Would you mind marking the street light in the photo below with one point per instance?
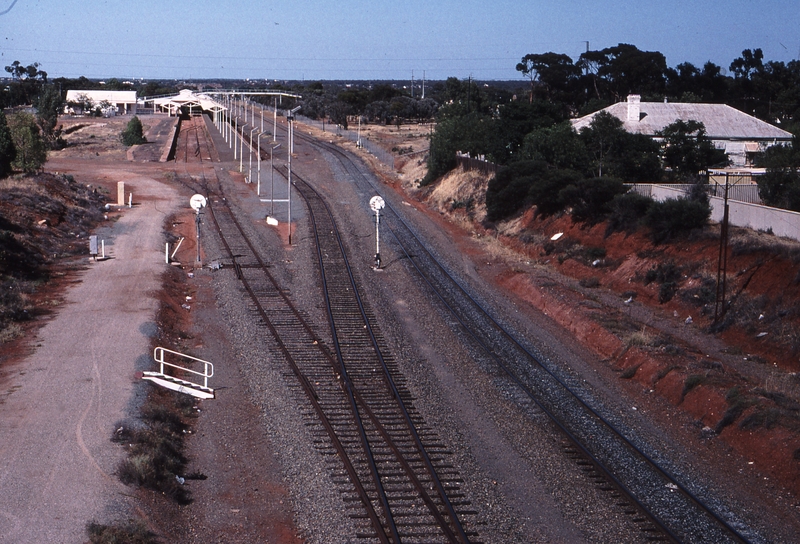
(275, 121)
(241, 148)
(250, 145)
(258, 147)
(272, 169)
(290, 119)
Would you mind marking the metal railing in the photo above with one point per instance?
(208, 368)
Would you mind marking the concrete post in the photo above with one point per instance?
(120, 193)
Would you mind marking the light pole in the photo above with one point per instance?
(272, 183)
(275, 121)
(258, 147)
(241, 148)
(235, 132)
(250, 146)
(290, 119)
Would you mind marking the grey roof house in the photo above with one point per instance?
(742, 136)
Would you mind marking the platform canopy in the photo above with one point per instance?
(186, 99)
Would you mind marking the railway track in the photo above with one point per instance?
(664, 507)
(391, 469)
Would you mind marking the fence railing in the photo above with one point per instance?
(208, 368)
(484, 167)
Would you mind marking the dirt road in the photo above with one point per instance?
(59, 406)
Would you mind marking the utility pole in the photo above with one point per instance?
(722, 261)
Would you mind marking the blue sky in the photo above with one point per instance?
(355, 39)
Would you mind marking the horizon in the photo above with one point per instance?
(360, 41)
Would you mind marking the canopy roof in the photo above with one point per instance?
(187, 98)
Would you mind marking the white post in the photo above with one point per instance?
(103, 248)
(235, 131)
(130, 200)
(166, 254)
(291, 141)
(241, 146)
(250, 170)
(275, 121)
(258, 147)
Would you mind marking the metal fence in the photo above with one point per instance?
(484, 167)
(741, 193)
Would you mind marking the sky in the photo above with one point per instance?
(371, 40)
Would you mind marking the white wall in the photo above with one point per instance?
(744, 214)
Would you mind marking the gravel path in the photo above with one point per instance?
(56, 457)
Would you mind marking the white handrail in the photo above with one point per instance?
(158, 355)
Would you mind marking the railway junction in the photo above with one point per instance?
(400, 399)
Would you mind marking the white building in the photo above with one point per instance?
(118, 102)
(742, 136)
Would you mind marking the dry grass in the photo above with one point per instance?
(9, 332)
(461, 189)
(22, 183)
(640, 338)
(783, 383)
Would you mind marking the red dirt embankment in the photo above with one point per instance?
(648, 312)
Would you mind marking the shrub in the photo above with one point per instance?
(508, 189)
(547, 190)
(155, 457)
(133, 133)
(691, 382)
(663, 273)
(132, 532)
(590, 199)
(627, 212)
(675, 216)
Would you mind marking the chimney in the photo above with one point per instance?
(634, 109)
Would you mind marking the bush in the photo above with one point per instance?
(675, 216)
(155, 457)
(590, 199)
(133, 133)
(133, 532)
(509, 188)
(627, 212)
(548, 191)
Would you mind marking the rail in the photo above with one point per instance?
(208, 368)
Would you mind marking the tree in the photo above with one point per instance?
(7, 150)
(624, 69)
(559, 146)
(31, 149)
(553, 72)
(780, 185)
(601, 138)
(133, 133)
(686, 150)
(48, 105)
(31, 71)
(467, 133)
(591, 199)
